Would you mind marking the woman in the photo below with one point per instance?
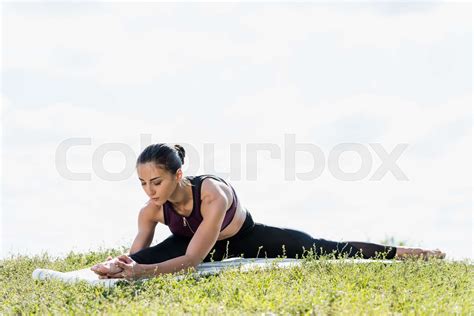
(207, 222)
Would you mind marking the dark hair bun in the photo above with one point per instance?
(181, 152)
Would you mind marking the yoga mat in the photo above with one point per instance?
(203, 269)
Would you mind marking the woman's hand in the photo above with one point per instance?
(107, 267)
(130, 270)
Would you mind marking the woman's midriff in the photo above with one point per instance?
(236, 223)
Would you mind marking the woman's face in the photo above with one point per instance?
(158, 183)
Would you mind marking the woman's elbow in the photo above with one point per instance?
(193, 260)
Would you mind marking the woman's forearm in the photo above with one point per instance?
(140, 243)
(169, 266)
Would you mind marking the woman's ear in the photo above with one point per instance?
(179, 174)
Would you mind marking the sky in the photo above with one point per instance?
(86, 86)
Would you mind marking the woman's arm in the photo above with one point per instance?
(215, 201)
(200, 245)
(146, 231)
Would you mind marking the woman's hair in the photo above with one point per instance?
(164, 156)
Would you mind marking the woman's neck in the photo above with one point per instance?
(181, 196)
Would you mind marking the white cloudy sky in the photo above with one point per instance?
(236, 75)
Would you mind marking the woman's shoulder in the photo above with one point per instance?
(152, 212)
(212, 188)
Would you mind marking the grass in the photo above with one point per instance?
(412, 287)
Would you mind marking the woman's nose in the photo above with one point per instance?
(150, 191)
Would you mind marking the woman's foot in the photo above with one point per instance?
(406, 253)
(108, 267)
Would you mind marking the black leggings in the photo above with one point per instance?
(256, 240)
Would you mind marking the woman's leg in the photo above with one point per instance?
(272, 239)
(257, 240)
(369, 250)
(172, 247)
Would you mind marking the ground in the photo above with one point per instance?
(317, 287)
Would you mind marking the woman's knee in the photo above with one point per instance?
(172, 247)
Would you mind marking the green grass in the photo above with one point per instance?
(413, 287)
